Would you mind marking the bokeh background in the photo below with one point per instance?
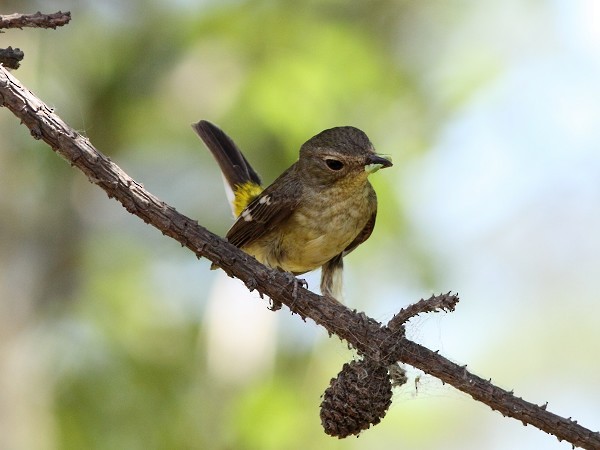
(114, 337)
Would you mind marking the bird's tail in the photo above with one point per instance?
(241, 181)
(331, 277)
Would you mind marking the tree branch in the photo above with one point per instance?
(37, 20)
(380, 345)
(436, 303)
(11, 57)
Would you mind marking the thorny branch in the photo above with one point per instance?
(10, 57)
(435, 303)
(384, 344)
(37, 20)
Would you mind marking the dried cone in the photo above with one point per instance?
(358, 398)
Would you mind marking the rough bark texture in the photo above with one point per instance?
(11, 57)
(37, 20)
(381, 345)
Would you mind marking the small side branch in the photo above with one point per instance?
(11, 57)
(37, 20)
(435, 303)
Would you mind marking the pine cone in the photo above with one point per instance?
(358, 398)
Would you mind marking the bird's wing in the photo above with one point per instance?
(266, 211)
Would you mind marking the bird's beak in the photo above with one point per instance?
(375, 162)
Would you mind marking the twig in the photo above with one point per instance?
(371, 339)
(442, 302)
(11, 57)
(37, 20)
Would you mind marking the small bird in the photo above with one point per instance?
(315, 213)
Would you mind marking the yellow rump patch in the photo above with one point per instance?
(243, 195)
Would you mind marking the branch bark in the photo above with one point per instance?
(11, 57)
(37, 20)
(384, 344)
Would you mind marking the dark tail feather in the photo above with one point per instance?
(232, 162)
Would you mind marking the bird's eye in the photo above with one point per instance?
(334, 164)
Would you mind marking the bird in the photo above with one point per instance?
(316, 212)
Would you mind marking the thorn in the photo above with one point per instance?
(251, 284)
(36, 132)
(275, 305)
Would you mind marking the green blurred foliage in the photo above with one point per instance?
(118, 309)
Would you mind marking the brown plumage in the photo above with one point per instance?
(316, 212)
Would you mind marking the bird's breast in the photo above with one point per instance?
(319, 229)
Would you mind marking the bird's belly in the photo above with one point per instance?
(313, 236)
